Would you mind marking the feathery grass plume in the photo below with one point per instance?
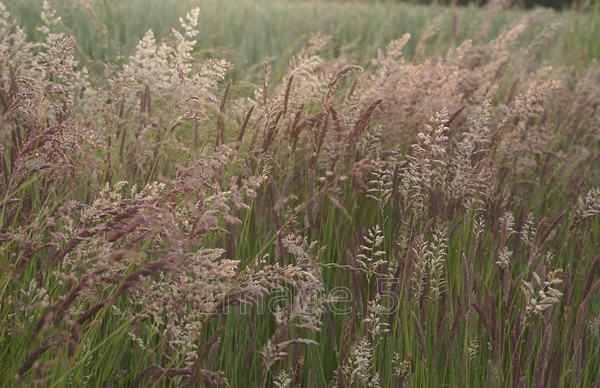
(283, 380)
(381, 184)
(587, 206)
(50, 21)
(471, 180)
(540, 295)
(359, 367)
(370, 259)
(335, 79)
(406, 92)
(401, 369)
(375, 327)
(275, 349)
(433, 254)
(424, 171)
(526, 135)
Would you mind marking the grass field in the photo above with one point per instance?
(409, 198)
(246, 31)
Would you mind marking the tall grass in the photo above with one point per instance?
(247, 31)
(427, 219)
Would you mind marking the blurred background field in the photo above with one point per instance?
(246, 31)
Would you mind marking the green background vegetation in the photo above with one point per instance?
(246, 31)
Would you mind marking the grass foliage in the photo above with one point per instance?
(427, 219)
(246, 31)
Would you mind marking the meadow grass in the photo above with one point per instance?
(247, 31)
(429, 219)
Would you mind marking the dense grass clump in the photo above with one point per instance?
(427, 220)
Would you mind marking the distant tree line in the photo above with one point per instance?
(556, 4)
